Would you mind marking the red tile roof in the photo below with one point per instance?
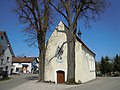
(1, 33)
(22, 59)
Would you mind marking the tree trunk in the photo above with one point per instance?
(41, 66)
(71, 59)
(41, 45)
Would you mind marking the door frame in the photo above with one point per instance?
(65, 74)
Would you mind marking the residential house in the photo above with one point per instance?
(25, 64)
(56, 65)
(6, 53)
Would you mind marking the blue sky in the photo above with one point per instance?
(102, 37)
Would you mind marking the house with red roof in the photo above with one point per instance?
(25, 64)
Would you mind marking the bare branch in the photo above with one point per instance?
(66, 5)
(57, 9)
(81, 7)
(58, 51)
(35, 15)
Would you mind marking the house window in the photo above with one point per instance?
(17, 69)
(1, 69)
(8, 59)
(59, 54)
(6, 68)
(3, 51)
(2, 61)
(1, 37)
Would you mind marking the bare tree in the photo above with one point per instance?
(74, 11)
(35, 14)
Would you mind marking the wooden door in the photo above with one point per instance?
(60, 77)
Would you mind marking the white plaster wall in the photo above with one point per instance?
(6, 54)
(16, 65)
(85, 64)
(78, 59)
(20, 65)
(56, 39)
(8, 62)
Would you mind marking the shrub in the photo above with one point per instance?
(5, 74)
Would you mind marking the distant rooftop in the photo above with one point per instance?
(22, 59)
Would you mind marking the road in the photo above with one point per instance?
(15, 81)
(103, 83)
(27, 82)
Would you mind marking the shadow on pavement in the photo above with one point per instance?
(32, 78)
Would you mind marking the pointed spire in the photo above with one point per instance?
(79, 33)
